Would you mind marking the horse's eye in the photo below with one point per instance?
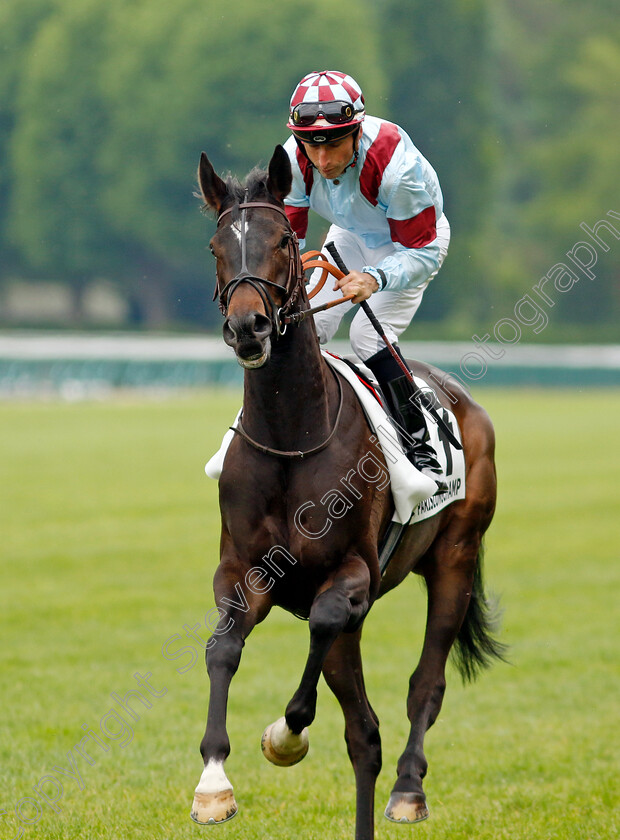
(285, 240)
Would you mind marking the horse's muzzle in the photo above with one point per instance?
(250, 337)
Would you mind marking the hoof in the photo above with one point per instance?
(406, 808)
(213, 808)
(281, 746)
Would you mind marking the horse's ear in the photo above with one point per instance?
(213, 189)
(280, 178)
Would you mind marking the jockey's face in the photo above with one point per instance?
(331, 159)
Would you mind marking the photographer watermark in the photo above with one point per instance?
(529, 311)
(113, 730)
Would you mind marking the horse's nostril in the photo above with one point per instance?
(262, 326)
(230, 336)
(251, 327)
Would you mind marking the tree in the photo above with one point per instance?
(557, 80)
(19, 23)
(191, 76)
(117, 101)
(439, 70)
(56, 216)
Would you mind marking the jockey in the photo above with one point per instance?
(383, 200)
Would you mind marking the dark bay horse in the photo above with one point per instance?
(303, 432)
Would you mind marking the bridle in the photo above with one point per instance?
(279, 316)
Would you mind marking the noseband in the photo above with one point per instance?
(294, 281)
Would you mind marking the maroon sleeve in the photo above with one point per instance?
(298, 217)
(416, 232)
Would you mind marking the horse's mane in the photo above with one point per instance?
(255, 183)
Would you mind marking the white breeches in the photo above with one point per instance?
(394, 310)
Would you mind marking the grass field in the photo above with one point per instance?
(109, 541)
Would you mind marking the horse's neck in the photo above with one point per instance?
(287, 404)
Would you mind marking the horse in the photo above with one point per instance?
(302, 428)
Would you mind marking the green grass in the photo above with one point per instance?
(110, 535)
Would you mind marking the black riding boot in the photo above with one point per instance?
(400, 395)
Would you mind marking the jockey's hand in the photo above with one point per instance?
(357, 283)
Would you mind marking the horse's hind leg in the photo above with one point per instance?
(343, 673)
(449, 578)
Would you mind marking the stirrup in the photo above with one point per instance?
(414, 434)
(442, 487)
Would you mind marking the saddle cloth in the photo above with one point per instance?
(411, 491)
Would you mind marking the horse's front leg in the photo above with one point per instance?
(339, 605)
(240, 610)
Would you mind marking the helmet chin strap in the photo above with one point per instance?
(356, 154)
(302, 147)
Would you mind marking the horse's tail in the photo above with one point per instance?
(475, 647)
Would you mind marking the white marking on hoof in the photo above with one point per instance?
(406, 808)
(214, 801)
(281, 746)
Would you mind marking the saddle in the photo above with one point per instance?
(405, 487)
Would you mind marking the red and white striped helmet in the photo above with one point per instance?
(326, 106)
